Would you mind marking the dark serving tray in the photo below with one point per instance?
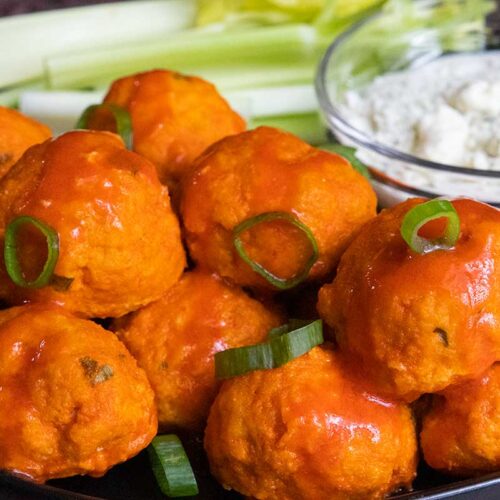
(133, 480)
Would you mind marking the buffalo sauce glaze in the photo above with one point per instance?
(268, 170)
(109, 210)
(419, 322)
(309, 431)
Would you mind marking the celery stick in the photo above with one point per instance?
(190, 50)
(274, 101)
(308, 126)
(236, 76)
(339, 14)
(255, 75)
(10, 96)
(58, 110)
(28, 39)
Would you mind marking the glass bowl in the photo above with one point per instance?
(406, 35)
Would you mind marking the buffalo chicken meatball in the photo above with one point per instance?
(418, 323)
(72, 399)
(17, 134)
(461, 434)
(119, 241)
(174, 118)
(175, 339)
(308, 431)
(266, 171)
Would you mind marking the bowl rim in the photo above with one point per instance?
(336, 121)
(383, 179)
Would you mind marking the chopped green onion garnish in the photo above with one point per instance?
(122, 119)
(12, 263)
(296, 342)
(241, 360)
(283, 345)
(350, 155)
(281, 283)
(293, 324)
(420, 215)
(171, 467)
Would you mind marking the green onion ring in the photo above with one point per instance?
(350, 155)
(420, 215)
(12, 264)
(281, 283)
(122, 119)
(284, 344)
(171, 467)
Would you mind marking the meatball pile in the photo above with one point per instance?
(205, 237)
(78, 401)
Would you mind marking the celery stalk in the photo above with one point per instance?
(240, 76)
(274, 101)
(308, 126)
(28, 39)
(59, 110)
(10, 96)
(191, 51)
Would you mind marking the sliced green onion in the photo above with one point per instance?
(293, 324)
(283, 345)
(350, 155)
(296, 342)
(171, 467)
(122, 119)
(12, 263)
(240, 360)
(281, 283)
(420, 215)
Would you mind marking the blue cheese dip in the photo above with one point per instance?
(447, 111)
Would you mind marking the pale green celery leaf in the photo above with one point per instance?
(264, 12)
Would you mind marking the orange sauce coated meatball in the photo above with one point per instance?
(119, 239)
(461, 434)
(17, 134)
(307, 431)
(72, 399)
(174, 117)
(419, 323)
(175, 339)
(268, 170)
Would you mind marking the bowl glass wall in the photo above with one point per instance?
(407, 36)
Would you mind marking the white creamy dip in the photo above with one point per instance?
(447, 111)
